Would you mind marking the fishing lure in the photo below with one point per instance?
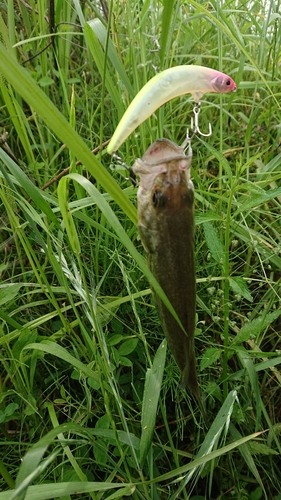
(171, 83)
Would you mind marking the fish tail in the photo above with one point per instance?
(189, 380)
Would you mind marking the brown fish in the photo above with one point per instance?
(166, 226)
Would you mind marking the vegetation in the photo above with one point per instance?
(80, 337)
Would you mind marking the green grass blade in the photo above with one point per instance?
(98, 54)
(167, 18)
(247, 363)
(20, 492)
(220, 424)
(57, 92)
(60, 490)
(231, 34)
(32, 191)
(99, 30)
(67, 216)
(245, 452)
(16, 113)
(30, 91)
(59, 352)
(125, 492)
(6, 476)
(152, 387)
(203, 460)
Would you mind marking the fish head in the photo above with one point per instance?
(223, 83)
(165, 184)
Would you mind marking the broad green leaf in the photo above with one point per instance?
(254, 327)
(210, 356)
(152, 387)
(10, 409)
(8, 292)
(213, 242)
(46, 81)
(239, 285)
(115, 339)
(31, 405)
(125, 361)
(94, 383)
(127, 347)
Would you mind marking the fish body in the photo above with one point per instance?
(166, 226)
(171, 83)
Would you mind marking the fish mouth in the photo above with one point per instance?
(166, 160)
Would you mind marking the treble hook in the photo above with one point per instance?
(194, 126)
(195, 129)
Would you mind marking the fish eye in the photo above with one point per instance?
(228, 82)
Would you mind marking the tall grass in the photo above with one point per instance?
(89, 400)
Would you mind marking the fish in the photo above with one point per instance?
(165, 200)
(166, 85)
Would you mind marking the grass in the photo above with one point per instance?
(89, 401)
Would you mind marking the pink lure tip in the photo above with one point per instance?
(222, 83)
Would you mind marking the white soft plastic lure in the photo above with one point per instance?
(173, 82)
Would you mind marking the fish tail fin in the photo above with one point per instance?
(189, 380)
